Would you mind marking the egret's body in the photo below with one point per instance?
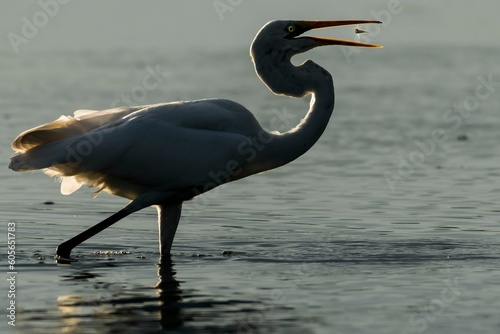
(168, 153)
(157, 148)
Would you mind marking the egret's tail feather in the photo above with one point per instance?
(39, 157)
(43, 134)
(48, 146)
(68, 126)
(43, 146)
(53, 159)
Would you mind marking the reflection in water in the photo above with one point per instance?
(169, 295)
(110, 302)
(123, 296)
(120, 307)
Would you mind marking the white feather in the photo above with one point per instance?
(69, 185)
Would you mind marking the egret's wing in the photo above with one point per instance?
(160, 156)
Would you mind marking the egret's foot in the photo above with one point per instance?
(63, 254)
(63, 260)
(165, 259)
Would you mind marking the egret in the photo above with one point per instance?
(164, 154)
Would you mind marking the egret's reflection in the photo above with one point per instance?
(111, 299)
(116, 305)
(169, 294)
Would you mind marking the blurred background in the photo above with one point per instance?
(177, 26)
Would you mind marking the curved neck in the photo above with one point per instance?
(286, 147)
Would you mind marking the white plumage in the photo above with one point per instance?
(127, 151)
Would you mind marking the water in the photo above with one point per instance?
(369, 232)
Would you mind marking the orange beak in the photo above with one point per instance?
(309, 25)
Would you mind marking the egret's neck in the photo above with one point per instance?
(286, 147)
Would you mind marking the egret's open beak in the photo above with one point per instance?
(309, 25)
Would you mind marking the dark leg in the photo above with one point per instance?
(64, 249)
(172, 201)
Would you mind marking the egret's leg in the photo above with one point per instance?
(64, 249)
(168, 220)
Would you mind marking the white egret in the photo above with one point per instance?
(168, 153)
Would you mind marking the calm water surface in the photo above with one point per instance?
(388, 225)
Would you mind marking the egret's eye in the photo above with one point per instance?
(290, 28)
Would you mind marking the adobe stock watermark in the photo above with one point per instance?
(80, 149)
(32, 25)
(393, 8)
(11, 274)
(453, 118)
(420, 320)
(152, 80)
(225, 6)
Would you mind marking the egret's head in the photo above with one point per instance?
(284, 37)
(278, 41)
